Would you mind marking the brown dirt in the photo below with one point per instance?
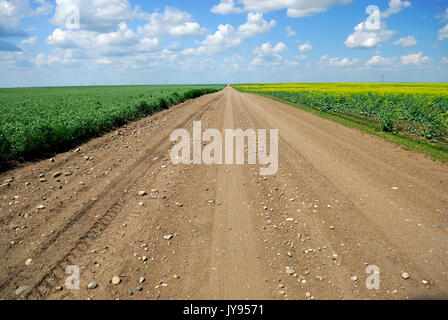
(337, 184)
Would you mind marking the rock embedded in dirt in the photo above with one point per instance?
(289, 270)
(92, 285)
(115, 280)
(40, 207)
(20, 290)
(142, 193)
(57, 174)
(405, 275)
(28, 262)
(168, 237)
(141, 280)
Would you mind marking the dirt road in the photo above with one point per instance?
(341, 201)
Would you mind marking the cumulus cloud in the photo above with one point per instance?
(70, 39)
(396, 6)
(306, 47)
(58, 57)
(227, 36)
(121, 42)
(444, 60)
(94, 15)
(414, 58)
(380, 61)
(226, 7)
(368, 36)
(172, 22)
(294, 8)
(406, 42)
(337, 62)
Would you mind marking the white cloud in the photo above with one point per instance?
(396, 6)
(70, 39)
(267, 49)
(306, 47)
(295, 8)
(95, 15)
(255, 25)
(58, 58)
(149, 45)
(367, 36)
(414, 58)
(172, 22)
(270, 56)
(123, 36)
(227, 36)
(444, 60)
(380, 61)
(226, 7)
(443, 33)
(11, 14)
(121, 42)
(406, 42)
(290, 31)
(337, 62)
(28, 42)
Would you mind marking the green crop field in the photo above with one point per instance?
(420, 110)
(36, 121)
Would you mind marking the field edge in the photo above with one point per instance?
(436, 152)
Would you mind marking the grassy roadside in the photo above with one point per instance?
(39, 122)
(434, 150)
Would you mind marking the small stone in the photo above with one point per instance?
(57, 174)
(289, 270)
(67, 174)
(92, 285)
(21, 290)
(142, 193)
(176, 276)
(168, 237)
(40, 207)
(115, 280)
(130, 292)
(28, 262)
(425, 281)
(405, 275)
(144, 258)
(141, 280)
(354, 278)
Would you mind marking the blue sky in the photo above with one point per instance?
(221, 41)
